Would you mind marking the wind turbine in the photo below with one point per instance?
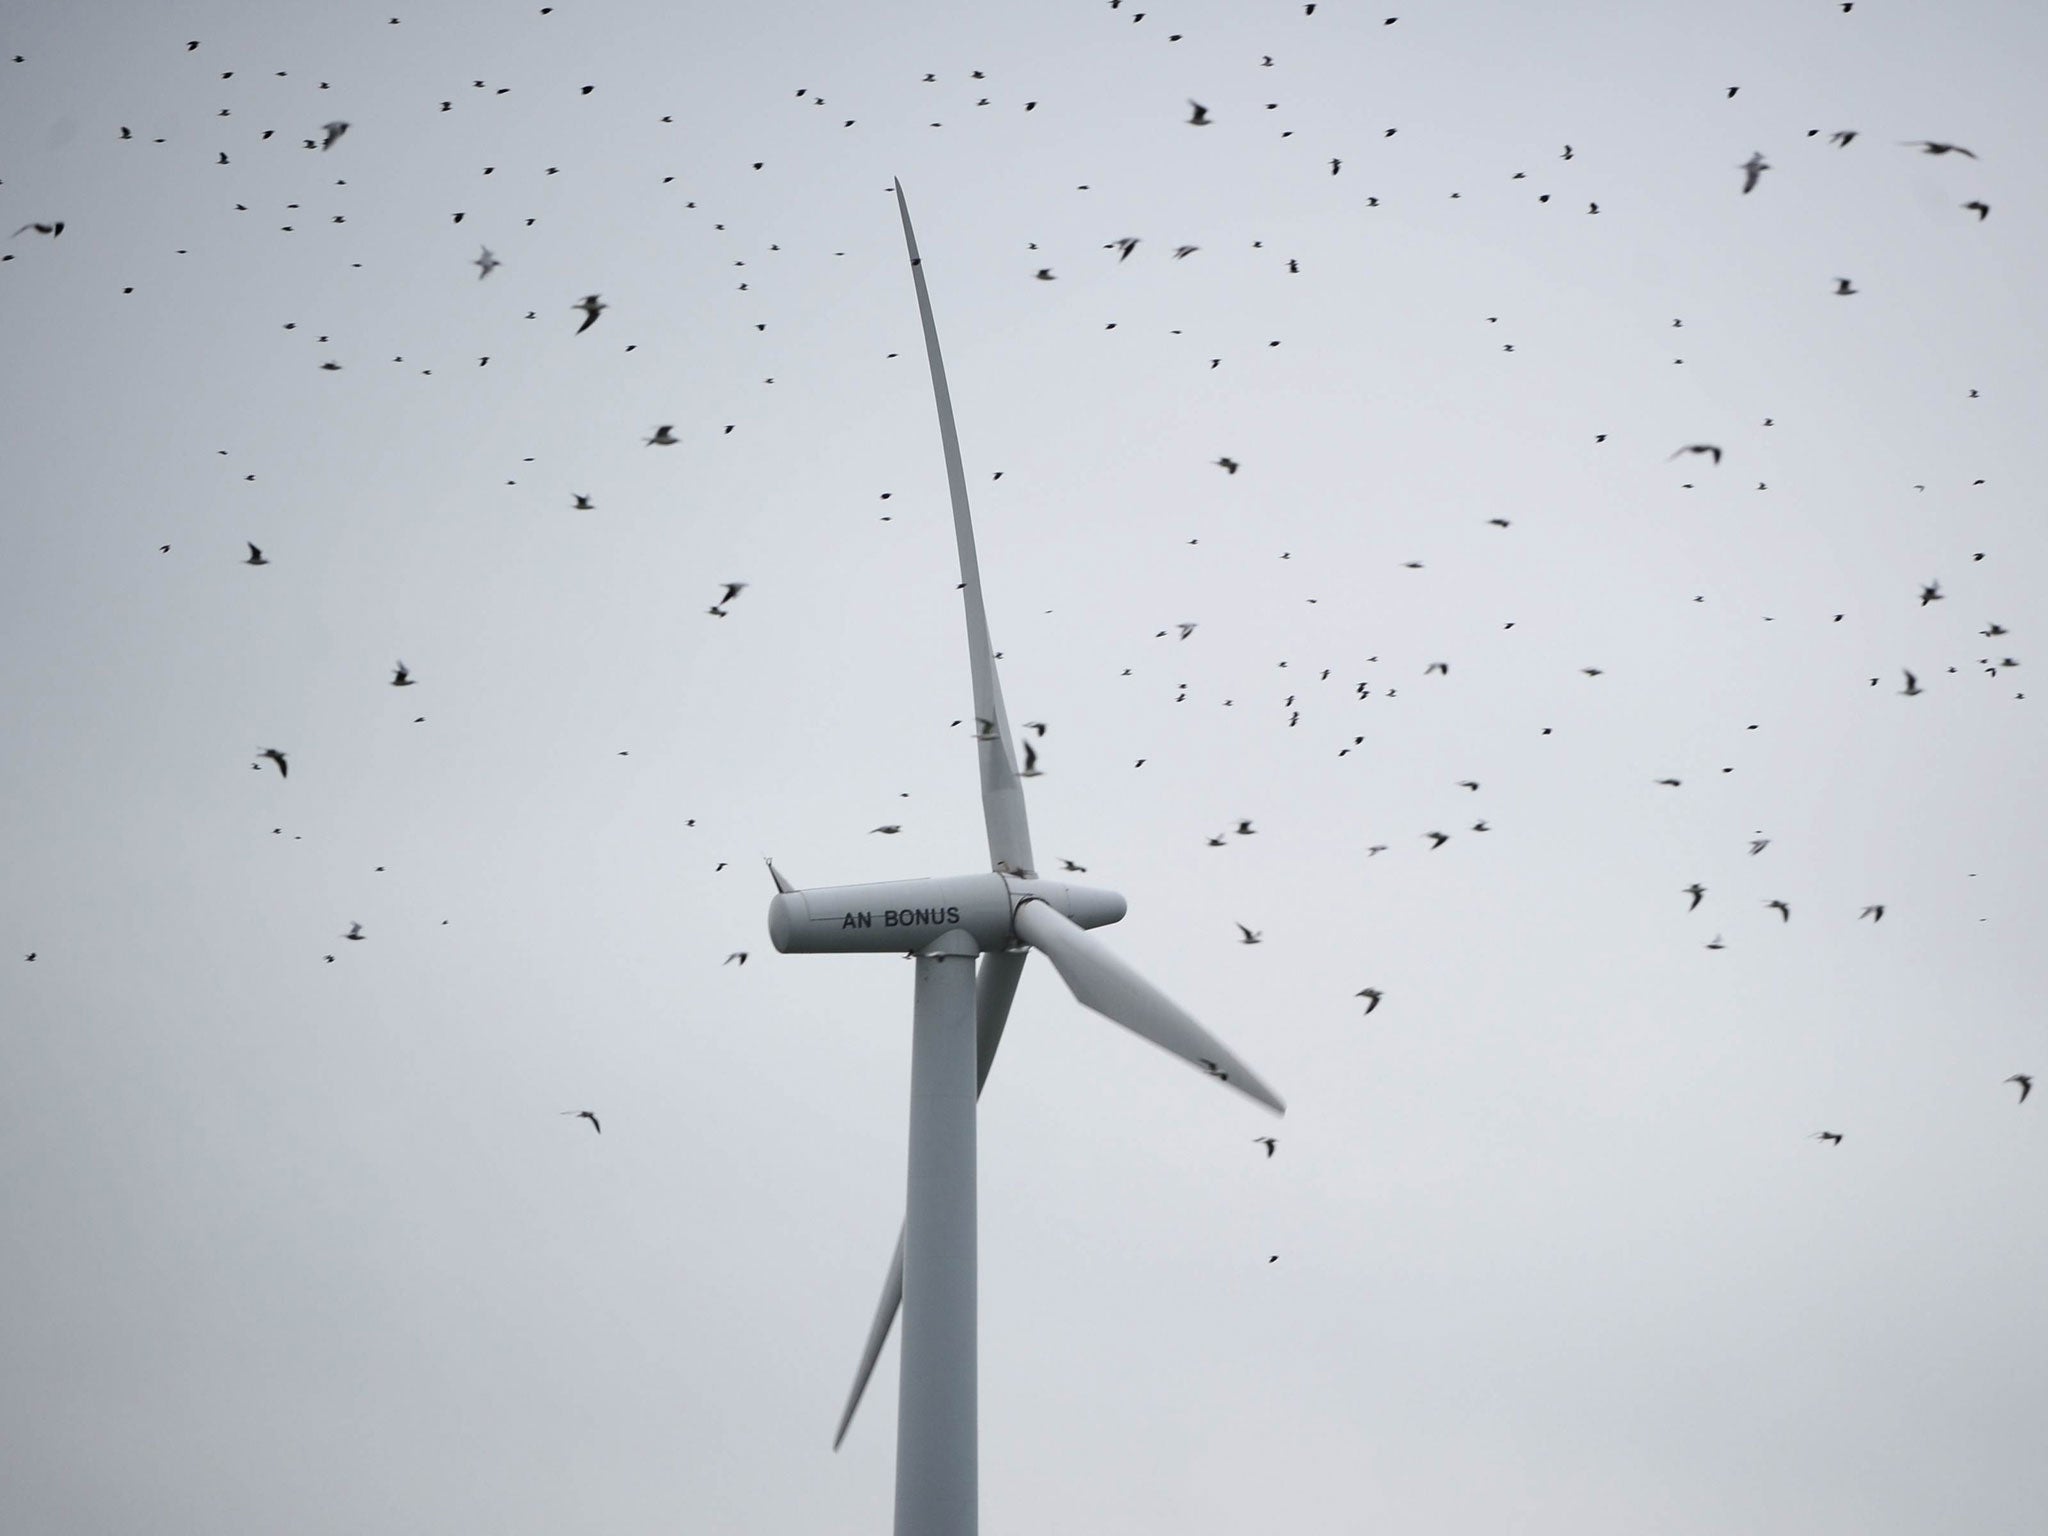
(970, 935)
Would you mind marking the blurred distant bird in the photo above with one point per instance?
(52, 230)
(732, 590)
(1217, 841)
(1185, 630)
(1030, 770)
(1843, 288)
(1068, 866)
(1982, 210)
(1200, 119)
(1842, 138)
(1874, 913)
(1044, 275)
(1757, 845)
(276, 757)
(1371, 996)
(1698, 448)
(355, 931)
(584, 1114)
(2025, 1081)
(402, 677)
(1229, 465)
(1717, 943)
(255, 556)
(1244, 829)
(583, 503)
(889, 831)
(592, 306)
(1833, 1136)
(485, 264)
(1125, 246)
(1912, 688)
(333, 131)
(1995, 629)
(1751, 169)
(1182, 251)
(1336, 166)
(1781, 908)
(1931, 593)
(1930, 147)
(1249, 936)
(738, 954)
(1437, 839)
(1270, 1143)
(1698, 894)
(664, 437)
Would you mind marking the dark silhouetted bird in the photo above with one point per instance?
(402, 677)
(1930, 147)
(255, 556)
(276, 757)
(1371, 996)
(1200, 118)
(1751, 169)
(1270, 1143)
(584, 1114)
(1698, 894)
(592, 306)
(1698, 448)
(1249, 936)
(1833, 1136)
(2025, 1081)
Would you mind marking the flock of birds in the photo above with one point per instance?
(592, 307)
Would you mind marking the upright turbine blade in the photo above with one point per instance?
(1002, 797)
(995, 985)
(1099, 980)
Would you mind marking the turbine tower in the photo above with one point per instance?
(970, 935)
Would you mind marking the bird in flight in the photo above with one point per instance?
(1751, 169)
(1842, 138)
(355, 931)
(1249, 936)
(1044, 275)
(1698, 448)
(1843, 288)
(52, 230)
(738, 954)
(1437, 839)
(1757, 845)
(1371, 996)
(1874, 913)
(1181, 252)
(1781, 908)
(276, 757)
(1125, 246)
(1833, 1136)
(583, 503)
(732, 590)
(592, 306)
(1030, 770)
(402, 677)
(1216, 841)
(1912, 688)
(1982, 210)
(2025, 1080)
(584, 1114)
(485, 263)
(664, 437)
(1200, 119)
(1718, 943)
(1244, 829)
(255, 555)
(1930, 147)
(1698, 893)
(1270, 1143)
(332, 131)
(889, 831)
(1068, 866)
(1227, 464)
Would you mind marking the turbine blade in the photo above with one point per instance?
(1002, 796)
(1099, 980)
(878, 1335)
(995, 985)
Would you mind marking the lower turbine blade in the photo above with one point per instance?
(1099, 980)
(878, 1335)
(995, 985)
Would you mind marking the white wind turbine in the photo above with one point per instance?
(957, 1022)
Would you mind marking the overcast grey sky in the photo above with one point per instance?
(307, 1245)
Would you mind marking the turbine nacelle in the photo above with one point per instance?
(903, 916)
